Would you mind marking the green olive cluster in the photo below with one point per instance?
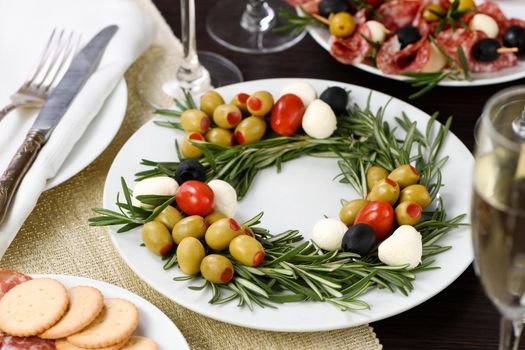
(199, 239)
(241, 121)
(400, 189)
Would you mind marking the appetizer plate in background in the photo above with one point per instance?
(153, 323)
(510, 7)
(296, 198)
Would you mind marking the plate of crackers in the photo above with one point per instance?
(58, 312)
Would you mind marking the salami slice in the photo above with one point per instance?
(398, 13)
(311, 6)
(353, 49)
(10, 279)
(450, 41)
(391, 59)
(26, 343)
(491, 9)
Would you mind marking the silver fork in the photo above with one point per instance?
(56, 58)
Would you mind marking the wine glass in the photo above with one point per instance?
(249, 26)
(498, 209)
(162, 80)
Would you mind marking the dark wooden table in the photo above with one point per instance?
(460, 317)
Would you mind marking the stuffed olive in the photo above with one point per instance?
(221, 232)
(209, 101)
(247, 250)
(157, 238)
(213, 217)
(188, 150)
(227, 116)
(417, 193)
(221, 137)
(250, 130)
(169, 217)
(239, 101)
(348, 213)
(190, 253)
(405, 175)
(408, 213)
(374, 174)
(216, 268)
(260, 103)
(193, 120)
(385, 190)
(191, 226)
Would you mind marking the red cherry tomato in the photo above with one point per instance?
(379, 215)
(287, 115)
(195, 198)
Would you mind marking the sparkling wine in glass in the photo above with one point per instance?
(162, 79)
(248, 26)
(498, 209)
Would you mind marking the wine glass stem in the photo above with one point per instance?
(258, 16)
(510, 332)
(190, 69)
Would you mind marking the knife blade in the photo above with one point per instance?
(57, 104)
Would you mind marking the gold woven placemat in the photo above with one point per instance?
(57, 239)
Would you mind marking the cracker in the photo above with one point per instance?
(114, 324)
(32, 307)
(63, 344)
(140, 343)
(85, 303)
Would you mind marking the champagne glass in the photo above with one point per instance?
(249, 26)
(498, 209)
(161, 80)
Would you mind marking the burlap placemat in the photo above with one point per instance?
(57, 239)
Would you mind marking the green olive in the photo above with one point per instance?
(374, 174)
(247, 250)
(210, 101)
(416, 193)
(213, 217)
(191, 226)
(239, 100)
(385, 190)
(404, 175)
(193, 120)
(408, 213)
(250, 130)
(169, 217)
(190, 253)
(157, 238)
(341, 24)
(221, 232)
(188, 150)
(431, 12)
(221, 137)
(227, 116)
(217, 268)
(348, 213)
(248, 230)
(260, 103)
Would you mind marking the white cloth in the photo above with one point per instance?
(25, 26)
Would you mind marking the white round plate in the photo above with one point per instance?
(153, 323)
(295, 199)
(510, 7)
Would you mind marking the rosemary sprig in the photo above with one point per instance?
(296, 23)
(452, 18)
(180, 106)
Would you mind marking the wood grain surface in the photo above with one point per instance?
(460, 317)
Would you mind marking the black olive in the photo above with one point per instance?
(359, 238)
(515, 37)
(408, 35)
(486, 50)
(337, 99)
(190, 169)
(326, 7)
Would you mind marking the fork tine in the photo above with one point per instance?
(53, 58)
(43, 59)
(70, 52)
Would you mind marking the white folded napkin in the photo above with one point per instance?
(25, 26)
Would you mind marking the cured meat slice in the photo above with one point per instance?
(391, 59)
(491, 9)
(450, 41)
(10, 279)
(26, 343)
(398, 13)
(517, 22)
(353, 49)
(311, 6)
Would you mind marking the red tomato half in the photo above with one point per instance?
(379, 215)
(287, 115)
(195, 198)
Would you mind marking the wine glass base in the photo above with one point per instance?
(223, 23)
(157, 84)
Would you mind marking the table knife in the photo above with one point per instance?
(81, 68)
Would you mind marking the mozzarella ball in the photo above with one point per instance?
(404, 246)
(319, 120)
(377, 31)
(436, 62)
(485, 24)
(305, 91)
(328, 234)
(225, 197)
(160, 186)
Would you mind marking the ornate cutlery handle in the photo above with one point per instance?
(17, 168)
